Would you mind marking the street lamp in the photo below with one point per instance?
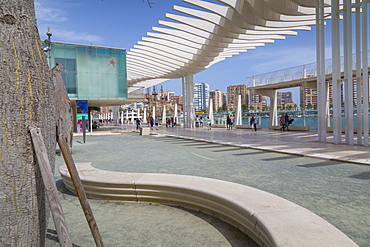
(48, 48)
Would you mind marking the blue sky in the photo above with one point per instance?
(121, 23)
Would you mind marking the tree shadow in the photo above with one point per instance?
(320, 164)
(362, 176)
(281, 158)
(250, 153)
(52, 235)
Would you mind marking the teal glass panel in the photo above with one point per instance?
(101, 73)
(69, 74)
(91, 72)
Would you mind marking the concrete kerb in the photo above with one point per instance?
(268, 219)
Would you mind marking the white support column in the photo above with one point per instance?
(337, 104)
(183, 101)
(365, 66)
(115, 115)
(359, 83)
(175, 114)
(164, 116)
(348, 80)
(132, 116)
(321, 84)
(210, 111)
(239, 111)
(188, 97)
(144, 116)
(272, 94)
(273, 108)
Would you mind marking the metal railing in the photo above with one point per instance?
(296, 73)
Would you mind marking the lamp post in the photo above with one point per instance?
(48, 48)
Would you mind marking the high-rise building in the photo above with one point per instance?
(308, 96)
(201, 96)
(233, 92)
(284, 97)
(218, 98)
(257, 101)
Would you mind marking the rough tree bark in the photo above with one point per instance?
(26, 99)
(63, 105)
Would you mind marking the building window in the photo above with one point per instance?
(69, 74)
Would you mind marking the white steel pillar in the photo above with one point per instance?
(210, 111)
(188, 97)
(115, 114)
(175, 114)
(144, 116)
(164, 116)
(359, 83)
(348, 80)
(272, 94)
(239, 111)
(365, 66)
(321, 84)
(337, 104)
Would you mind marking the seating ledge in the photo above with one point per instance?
(331, 129)
(268, 219)
(247, 126)
(294, 128)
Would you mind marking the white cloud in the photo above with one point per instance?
(61, 27)
(50, 14)
(76, 37)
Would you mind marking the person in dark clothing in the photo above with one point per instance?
(287, 121)
(138, 124)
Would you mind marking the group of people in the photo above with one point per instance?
(170, 122)
(230, 122)
(285, 121)
(199, 122)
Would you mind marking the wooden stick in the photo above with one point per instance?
(51, 190)
(80, 190)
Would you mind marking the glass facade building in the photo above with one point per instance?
(91, 72)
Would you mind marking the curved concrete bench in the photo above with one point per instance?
(268, 219)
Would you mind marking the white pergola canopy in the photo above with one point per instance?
(193, 40)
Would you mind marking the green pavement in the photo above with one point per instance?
(336, 191)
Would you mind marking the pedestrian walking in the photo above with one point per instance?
(209, 123)
(201, 121)
(286, 118)
(228, 122)
(168, 122)
(254, 122)
(197, 121)
(151, 122)
(138, 123)
(231, 121)
(282, 122)
(156, 122)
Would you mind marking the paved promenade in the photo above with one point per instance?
(331, 187)
(291, 142)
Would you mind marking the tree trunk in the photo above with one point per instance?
(63, 107)
(26, 99)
